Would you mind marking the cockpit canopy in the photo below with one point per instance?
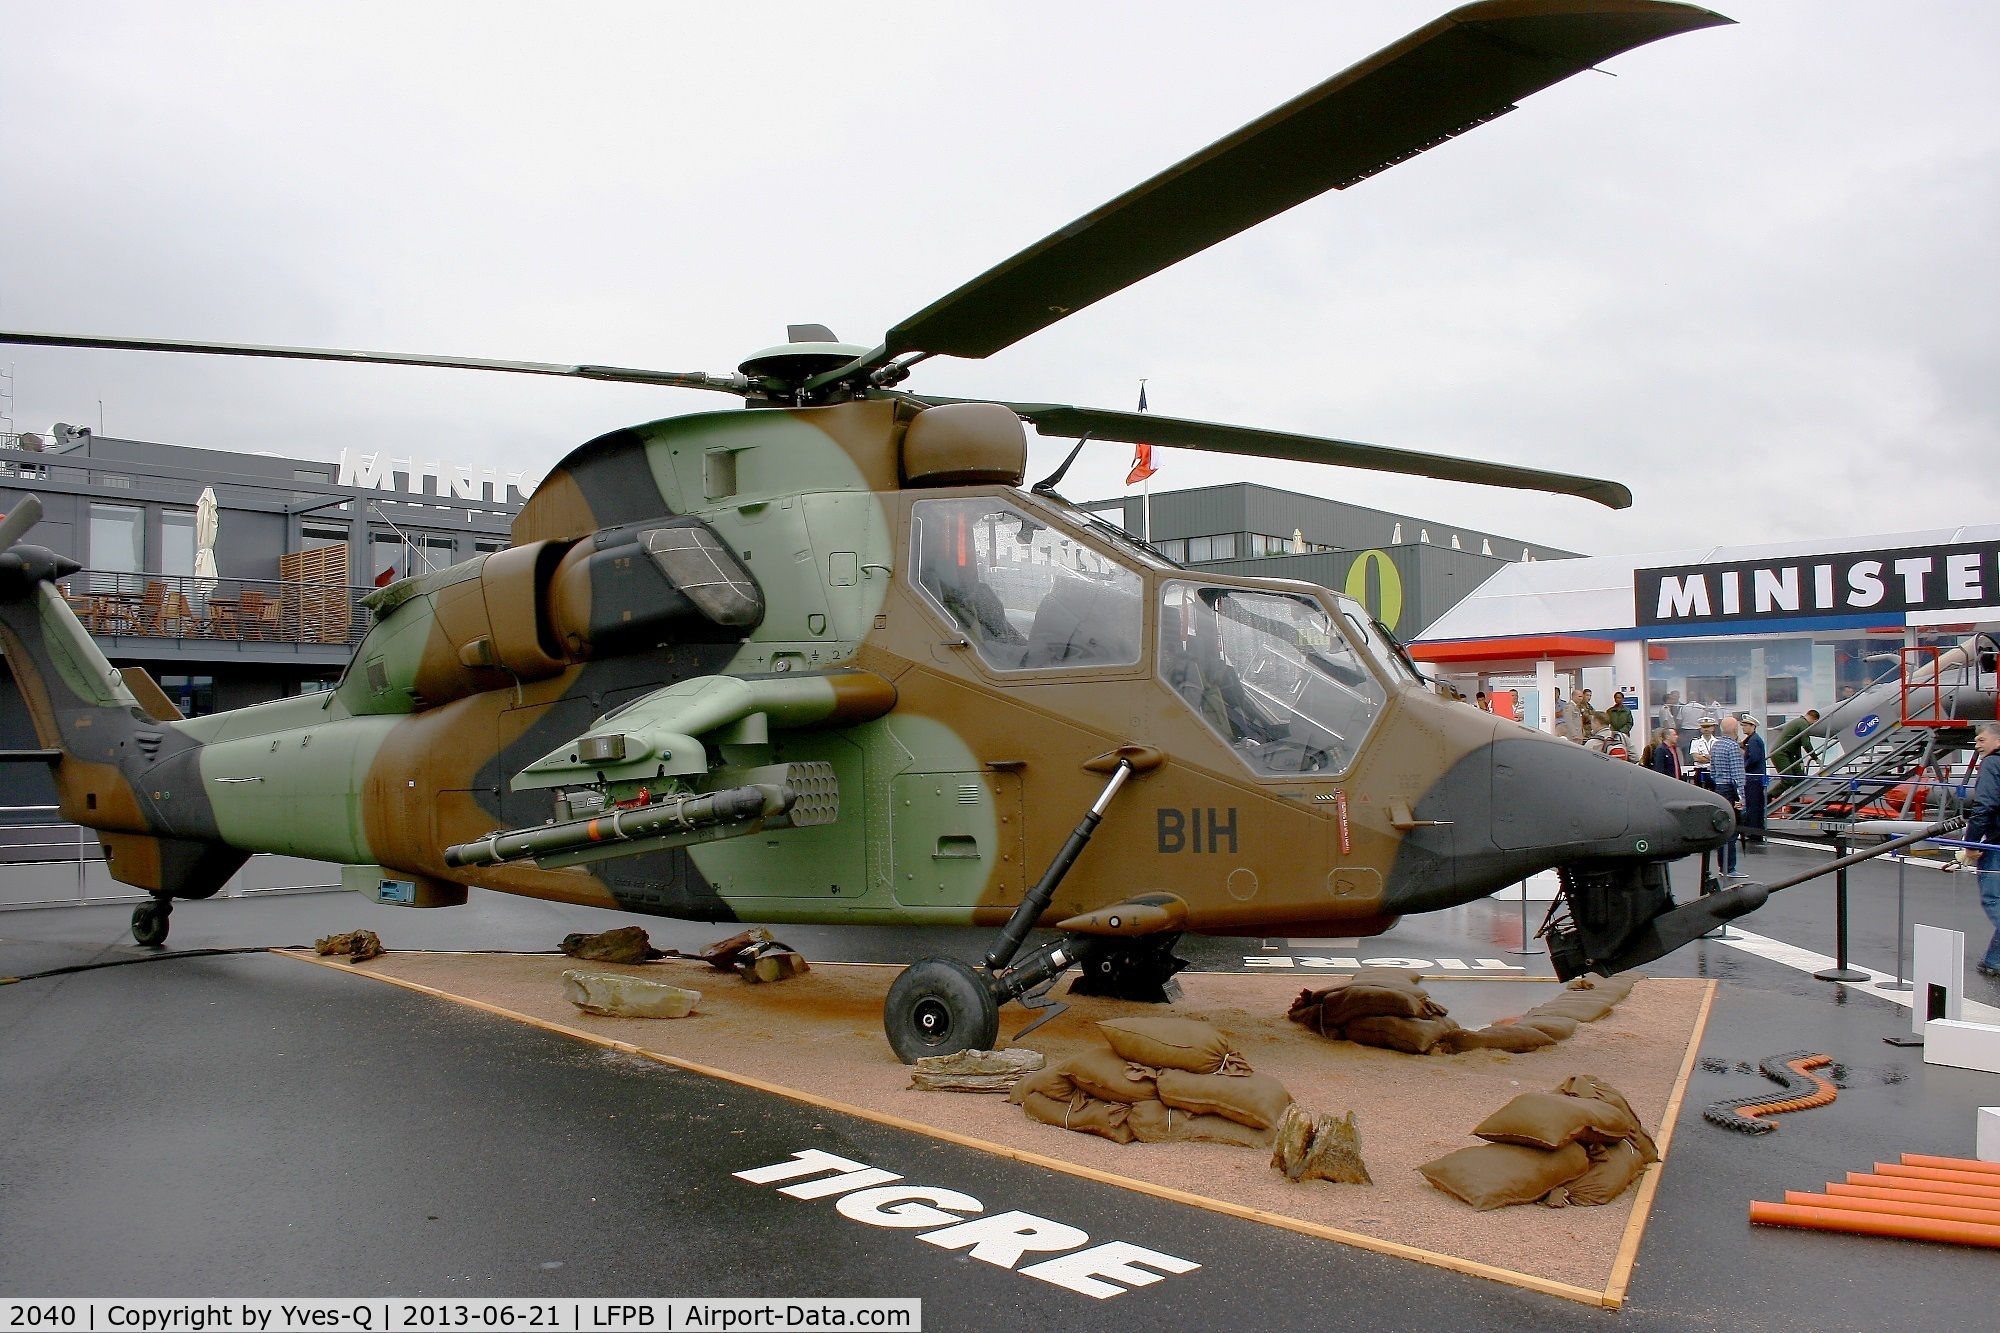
(1274, 674)
(1026, 595)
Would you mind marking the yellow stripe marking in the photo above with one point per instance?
(1635, 1226)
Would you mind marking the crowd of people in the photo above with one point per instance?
(1705, 744)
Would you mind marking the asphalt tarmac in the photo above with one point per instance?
(245, 1125)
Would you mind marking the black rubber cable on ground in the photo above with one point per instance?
(211, 953)
(124, 962)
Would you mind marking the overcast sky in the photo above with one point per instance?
(1753, 276)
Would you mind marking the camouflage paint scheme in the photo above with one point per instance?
(951, 800)
(957, 783)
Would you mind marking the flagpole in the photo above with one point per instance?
(1146, 504)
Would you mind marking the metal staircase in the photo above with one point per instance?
(1888, 778)
(1928, 708)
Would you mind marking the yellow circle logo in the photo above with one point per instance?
(1388, 607)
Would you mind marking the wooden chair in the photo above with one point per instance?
(261, 615)
(152, 611)
(223, 618)
(177, 619)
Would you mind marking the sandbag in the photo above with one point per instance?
(1051, 1083)
(1554, 1025)
(1156, 1122)
(627, 944)
(1516, 1038)
(1588, 1085)
(1385, 976)
(358, 945)
(1494, 1175)
(1318, 1147)
(1370, 1001)
(1082, 1113)
(1306, 1009)
(1613, 1168)
(1173, 1043)
(1110, 1077)
(622, 995)
(1327, 1008)
(1415, 1035)
(1611, 989)
(1578, 1005)
(1550, 1120)
(1256, 1100)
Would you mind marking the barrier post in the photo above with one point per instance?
(1525, 948)
(1902, 867)
(1840, 971)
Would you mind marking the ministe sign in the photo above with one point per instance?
(1852, 583)
(380, 471)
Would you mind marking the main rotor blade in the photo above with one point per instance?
(736, 384)
(24, 515)
(1444, 79)
(1067, 422)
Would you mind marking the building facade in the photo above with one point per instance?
(1407, 570)
(296, 544)
(1768, 630)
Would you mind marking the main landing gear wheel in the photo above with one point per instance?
(940, 1006)
(150, 920)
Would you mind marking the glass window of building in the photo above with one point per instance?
(1272, 674)
(193, 695)
(1027, 595)
(1174, 549)
(1219, 547)
(117, 547)
(436, 552)
(177, 542)
(315, 535)
(389, 563)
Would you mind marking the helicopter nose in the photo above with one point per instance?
(1526, 803)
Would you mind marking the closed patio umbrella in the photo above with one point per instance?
(207, 518)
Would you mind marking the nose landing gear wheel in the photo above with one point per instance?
(150, 920)
(940, 1006)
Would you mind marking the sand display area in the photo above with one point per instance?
(820, 1036)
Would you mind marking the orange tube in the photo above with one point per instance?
(1937, 1173)
(1928, 1186)
(1973, 1202)
(1940, 1210)
(1873, 1224)
(1952, 1163)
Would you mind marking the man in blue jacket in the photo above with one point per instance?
(1985, 827)
(1667, 753)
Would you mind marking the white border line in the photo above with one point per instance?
(1805, 960)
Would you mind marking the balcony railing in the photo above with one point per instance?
(169, 606)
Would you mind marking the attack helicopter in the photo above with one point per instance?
(826, 661)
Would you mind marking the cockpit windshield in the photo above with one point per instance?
(1273, 674)
(1376, 640)
(1026, 594)
(1109, 531)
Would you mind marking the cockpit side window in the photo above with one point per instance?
(1272, 674)
(1028, 596)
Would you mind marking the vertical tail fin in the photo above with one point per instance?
(122, 771)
